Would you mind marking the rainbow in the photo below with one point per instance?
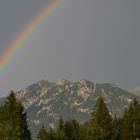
(26, 32)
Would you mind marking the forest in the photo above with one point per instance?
(101, 126)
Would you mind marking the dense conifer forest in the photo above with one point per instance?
(101, 126)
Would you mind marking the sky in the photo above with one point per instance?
(97, 40)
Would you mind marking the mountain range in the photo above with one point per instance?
(46, 101)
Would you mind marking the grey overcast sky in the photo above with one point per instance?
(97, 40)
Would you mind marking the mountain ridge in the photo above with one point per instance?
(46, 101)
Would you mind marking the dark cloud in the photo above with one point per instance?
(94, 39)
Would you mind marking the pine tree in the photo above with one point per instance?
(25, 133)
(51, 134)
(101, 121)
(86, 131)
(136, 124)
(131, 122)
(13, 120)
(72, 130)
(61, 124)
(42, 135)
(117, 124)
(12, 117)
(127, 125)
(4, 127)
(60, 129)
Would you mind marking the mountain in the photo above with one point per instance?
(137, 91)
(46, 101)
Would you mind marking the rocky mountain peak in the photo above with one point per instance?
(63, 82)
(46, 101)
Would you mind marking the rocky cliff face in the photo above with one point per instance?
(45, 101)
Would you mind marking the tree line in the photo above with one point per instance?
(101, 126)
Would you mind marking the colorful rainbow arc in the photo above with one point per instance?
(26, 32)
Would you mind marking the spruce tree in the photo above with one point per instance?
(60, 129)
(51, 134)
(72, 130)
(13, 117)
(127, 124)
(117, 125)
(13, 120)
(86, 131)
(4, 124)
(61, 124)
(101, 121)
(136, 124)
(25, 133)
(42, 135)
(131, 122)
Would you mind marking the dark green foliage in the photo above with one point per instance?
(117, 125)
(47, 135)
(42, 134)
(13, 123)
(60, 129)
(131, 122)
(51, 135)
(25, 133)
(86, 131)
(72, 130)
(101, 121)
(61, 124)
